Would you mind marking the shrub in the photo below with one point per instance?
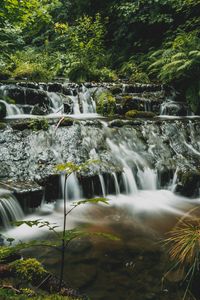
(28, 269)
(31, 71)
(107, 75)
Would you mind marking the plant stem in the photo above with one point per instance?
(63, 236)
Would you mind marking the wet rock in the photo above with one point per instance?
(2, 110)
(189, 183)
(24, 95)
(139, 88)
(68, 105)
(174, 109)
(41, 109)
(32, 85)
(115, 90)
(55, 87)
(67, 122)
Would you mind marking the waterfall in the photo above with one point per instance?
(117, 188)
(10, 209)
(56, 101)
(103, 186)
(174, 181)
(134, 167)
(73, 190)
(11, 109)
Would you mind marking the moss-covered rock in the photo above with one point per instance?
(139, 114)
(38, 124)
(106, 104)
(2, 126)
(67, 122)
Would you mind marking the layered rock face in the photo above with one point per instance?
(135, 147)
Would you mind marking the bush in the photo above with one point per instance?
(28, 270)
(34, 65)
(107, 75)
(31, 71)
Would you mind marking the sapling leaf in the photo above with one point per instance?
(93, 201)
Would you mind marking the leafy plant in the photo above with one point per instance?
(106, 104)
(183, 246)
(28, 269)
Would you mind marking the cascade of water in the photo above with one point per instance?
(102, 182)
(130, 160)
(11, 109)
(56, 101)
(76, 108)
(117, 188)
(147, 178)
(10, 209)
(73, 190)
(87, 101)
(174, 181)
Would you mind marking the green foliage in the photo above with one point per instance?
(179, 61)
(9, 294)
(107, 75)
(28, 269)
(106, 104)
(70, 167)
(80, 73)
(193, 96)
(139, 114)
(33, 65)
(131, 71)
(38, 124)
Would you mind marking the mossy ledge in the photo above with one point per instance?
(131, 114)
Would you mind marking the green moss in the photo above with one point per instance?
(38, 124)
(106, 104)
(139, 114)
(28, 269)
(2, 126)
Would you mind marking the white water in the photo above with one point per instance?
(11, 109)
(10, 209)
